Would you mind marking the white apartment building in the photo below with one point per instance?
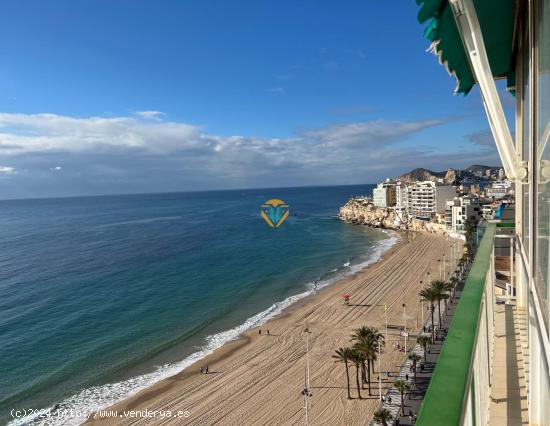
(459, 210)
(498, 189)
(401, 197)
(425, 199)
(384, 194)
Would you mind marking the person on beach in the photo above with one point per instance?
(268, 332)
(201, 370)
(206, 370)
(260, 331)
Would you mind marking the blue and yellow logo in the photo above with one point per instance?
(275, 212)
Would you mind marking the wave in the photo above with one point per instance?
(140, 221)
(97, 398)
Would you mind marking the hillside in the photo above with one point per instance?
(474, 172)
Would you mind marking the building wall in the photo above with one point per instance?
(443, 193)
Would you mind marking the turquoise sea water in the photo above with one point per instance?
(102, 296)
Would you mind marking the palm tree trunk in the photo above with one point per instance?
(433, 327)
(368, 376)
(347, 377)
(402, 403)
(363, 375)
(439, 310)
(357, 380)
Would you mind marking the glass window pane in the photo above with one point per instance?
(542, 216)
(525, 138)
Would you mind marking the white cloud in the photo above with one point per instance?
(130, 154)
(151, 114)
(7, 170)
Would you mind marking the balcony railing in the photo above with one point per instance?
(458, 393)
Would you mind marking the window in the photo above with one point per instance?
(542, 129)
(525, 114)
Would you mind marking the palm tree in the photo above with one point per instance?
(424, 340)
(367, 340)
(369, 333)
(454, 283)
(430, 296)
(383, 416)
(344, 355)
(357, 358)
(402, 386)
(414, 359)
(449, 286)
(439, 287)
(367, 351)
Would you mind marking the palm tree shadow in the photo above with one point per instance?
(329, 387)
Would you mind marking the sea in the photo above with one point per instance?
(103, 296)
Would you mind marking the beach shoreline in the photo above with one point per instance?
(285, 341)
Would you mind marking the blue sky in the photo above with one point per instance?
(105, 96)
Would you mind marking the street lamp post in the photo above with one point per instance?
(379, 372)
(422, 310)
(306, 392)
(405, 325)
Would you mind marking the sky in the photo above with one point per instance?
(135, 96)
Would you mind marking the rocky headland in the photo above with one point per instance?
(361, 211)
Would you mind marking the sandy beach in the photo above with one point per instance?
(257, 379)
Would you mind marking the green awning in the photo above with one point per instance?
(497, 26)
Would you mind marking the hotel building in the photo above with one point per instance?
(426, 199)
(384, 194)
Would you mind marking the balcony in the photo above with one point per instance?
(480, 377)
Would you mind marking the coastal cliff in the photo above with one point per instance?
(361, 211)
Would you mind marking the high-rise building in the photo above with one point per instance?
(384, 194)
(401, 197)
(460, 210)
(426, 199)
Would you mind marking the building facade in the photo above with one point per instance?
(460, 210)
(426, 199)
(384, 194)
(499, 189)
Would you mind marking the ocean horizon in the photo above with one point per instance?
(106, 295)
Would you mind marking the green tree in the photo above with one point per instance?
(414, 359)
(424, 340)
(439, 287)
(344, 356)
(382, 416)
(430, 296)
(367, 341)
(402, 386)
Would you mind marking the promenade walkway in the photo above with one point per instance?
(413, 398)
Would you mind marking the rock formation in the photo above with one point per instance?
(361, 211)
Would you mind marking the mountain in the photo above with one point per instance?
(421, 174)
(473, 173)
